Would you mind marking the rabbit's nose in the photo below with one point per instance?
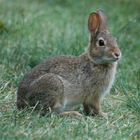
(117, 54)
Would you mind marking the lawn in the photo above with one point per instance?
(32, 30)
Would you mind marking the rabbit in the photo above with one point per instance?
(62, 82)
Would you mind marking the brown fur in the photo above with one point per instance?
(62, 82)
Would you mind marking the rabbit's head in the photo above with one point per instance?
(103, 47)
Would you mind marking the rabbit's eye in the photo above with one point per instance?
(101, 42)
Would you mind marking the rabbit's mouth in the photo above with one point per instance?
(106, 60)
(114, 60)
(111, 60)
(115, 57)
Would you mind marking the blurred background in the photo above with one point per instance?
(32, 30)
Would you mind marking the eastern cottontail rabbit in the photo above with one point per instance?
(62, 82)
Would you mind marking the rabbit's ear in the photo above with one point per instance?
(97, 22)
(103, 20)
(93, 22)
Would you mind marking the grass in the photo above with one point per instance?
(32, 30)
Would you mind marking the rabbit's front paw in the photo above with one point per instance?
(103, 114)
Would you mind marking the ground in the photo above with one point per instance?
(32, 30)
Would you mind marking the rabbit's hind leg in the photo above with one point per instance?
(46, 92)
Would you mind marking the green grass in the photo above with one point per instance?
(32, 30)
